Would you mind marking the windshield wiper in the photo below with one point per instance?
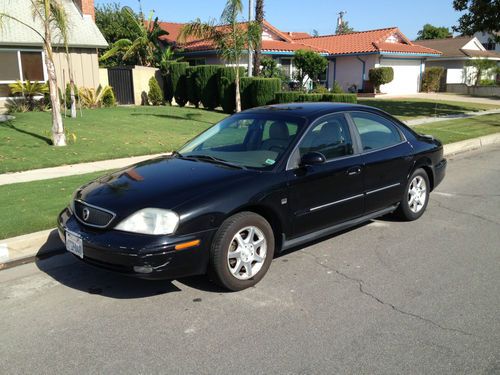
(215, 160)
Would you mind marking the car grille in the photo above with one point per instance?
(93, 216)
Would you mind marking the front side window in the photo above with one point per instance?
(375, 131)
(330, 136)
(254, 141)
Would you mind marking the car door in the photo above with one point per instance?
(325, 194)
(387, 158)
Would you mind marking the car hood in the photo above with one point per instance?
(164, 182)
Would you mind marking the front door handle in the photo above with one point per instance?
(354, 171)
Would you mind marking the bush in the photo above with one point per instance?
(320, 89)
(487, 82)
(177, 79)
(256, 92)
(67, 98)
(191, 89)
(226, 77)
(108, 98)
(207, 85)
(431, 80)
(92, 98)
(294, 97)
(337, 89)
(155, 95)
(380, 76)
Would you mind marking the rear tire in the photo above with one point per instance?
(415, 197)
(242, 251)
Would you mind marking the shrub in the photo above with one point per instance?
(256, 92)
(431, 79)
(294, 97)
(191, 89)
(320, 89)
(207, 85)
(67, 98)
(487, 82)
(178, 80)
(155, 95)
(381, 76)
(337, 89)
(226, 77)
(108, 98)
(28, 90)
(92, 98)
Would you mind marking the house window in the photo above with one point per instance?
(196, 62)
(21, 65)
(286, 65)
(490, 46)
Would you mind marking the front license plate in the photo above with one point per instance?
(74, 244)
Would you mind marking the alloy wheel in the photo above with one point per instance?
(247, 253)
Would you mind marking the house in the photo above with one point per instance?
(488, 40)
(456, 52)
(21, 49)
(350, 56)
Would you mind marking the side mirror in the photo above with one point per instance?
(312, 158)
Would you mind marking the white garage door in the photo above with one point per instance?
(406, 76)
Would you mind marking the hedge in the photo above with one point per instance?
(207, 85)
(431, 80)
(294, 97)
(178, 78)
(192, 93)
(256, 92)
(381, 76)
(226, 79)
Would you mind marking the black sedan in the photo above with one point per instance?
(257, 183)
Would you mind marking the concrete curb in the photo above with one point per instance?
(31, 247)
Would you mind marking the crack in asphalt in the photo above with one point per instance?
(441, 205)
(382, 302)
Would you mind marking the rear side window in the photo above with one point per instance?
(375, 131)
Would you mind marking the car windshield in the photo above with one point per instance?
(246, 140)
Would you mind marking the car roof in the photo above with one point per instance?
(309, 110)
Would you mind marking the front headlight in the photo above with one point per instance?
(150, 221)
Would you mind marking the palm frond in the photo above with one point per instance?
(199, 30)
(118, 46)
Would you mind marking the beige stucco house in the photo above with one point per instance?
(21, 52)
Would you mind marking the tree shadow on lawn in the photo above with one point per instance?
(416, 109)
(10, 125)
(187, 117)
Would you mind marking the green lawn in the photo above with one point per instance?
(32, 206)
(414, 108)
(459, 130)
(100, 134)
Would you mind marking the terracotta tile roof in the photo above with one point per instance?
(366, 42)
(297, 35)
(173, 29)
(453, 47)
(276, 45)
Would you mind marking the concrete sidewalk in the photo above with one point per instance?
(428, 120)
(29, 247)
(72, 169)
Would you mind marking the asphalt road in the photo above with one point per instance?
(384, 298)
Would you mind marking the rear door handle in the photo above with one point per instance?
(354, 171)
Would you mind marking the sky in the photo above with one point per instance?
(320, 15)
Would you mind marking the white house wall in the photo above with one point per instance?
(349, 70)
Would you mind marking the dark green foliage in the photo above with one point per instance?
(207, 85)
(478, 15)
(256, 92)
(191, 89)
(226, 77)
(433, 32)
(431, 79)
(109, 99)
(298, 97)
(67, 98)
(381, 76)
(309, 63)
(175, 83)
(155, 95)
(337, 89)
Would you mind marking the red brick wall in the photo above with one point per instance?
(86, 6)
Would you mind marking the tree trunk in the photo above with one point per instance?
(237, 84)
(259, 18)
(58, 136)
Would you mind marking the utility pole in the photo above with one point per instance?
(250, 47)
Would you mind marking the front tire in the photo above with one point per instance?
(416, 196)
(242, 251)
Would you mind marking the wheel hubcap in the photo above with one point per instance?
(417, 194)
(247, 253)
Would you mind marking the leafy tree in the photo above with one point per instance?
(259, 19)
(229, 36)
(381, 76)
(433, 32)
(344, 28)
(52, 15)
(480, 15)
(145, 48)
(114, 23)
(270, 69)
(309, 64)
(482, 66)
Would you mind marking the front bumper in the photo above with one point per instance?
(122, 251)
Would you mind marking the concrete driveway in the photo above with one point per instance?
(385, 298)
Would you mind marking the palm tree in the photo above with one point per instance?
(53, 17)
(259, 19)
(229, 36)
(146, 47)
